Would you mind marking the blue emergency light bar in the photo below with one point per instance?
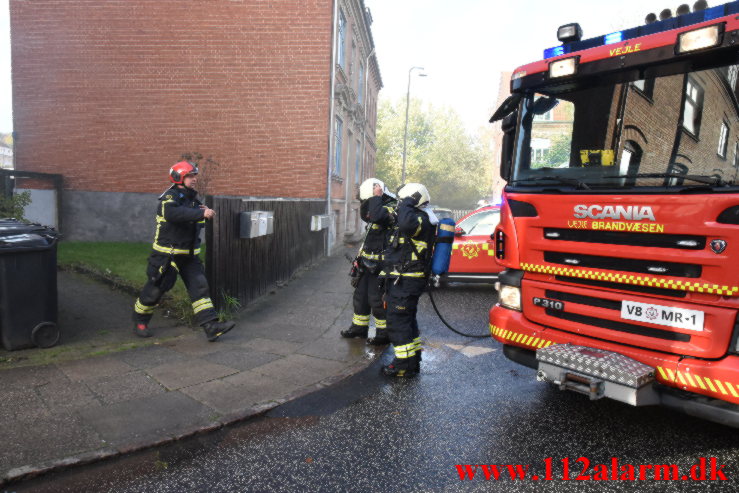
(655, 27)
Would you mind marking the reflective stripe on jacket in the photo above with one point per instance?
(179, 221)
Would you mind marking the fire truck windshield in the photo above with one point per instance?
(676, 131)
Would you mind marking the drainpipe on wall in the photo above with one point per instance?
(364, 104)
(331, 144)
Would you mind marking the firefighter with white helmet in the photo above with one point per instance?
(405, 269)
(180, 217)
(376, 209)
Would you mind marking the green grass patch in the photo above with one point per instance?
(123, 264)
(126, 261)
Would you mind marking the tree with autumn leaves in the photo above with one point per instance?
(455, 167)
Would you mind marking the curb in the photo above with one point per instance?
(31, 471)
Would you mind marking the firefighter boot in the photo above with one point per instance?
(354, 331)
(401, 368)
(214, 329)
(141, 329)
(380, 339)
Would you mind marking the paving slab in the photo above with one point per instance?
(180, 374)
(57, 435)
(265, 345)
(300, 369)
(151, 356)
(239, 358)
(152, 418)
(124, 387)
(92, 368)
(239, 392)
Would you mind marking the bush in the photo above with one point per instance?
(15, 206)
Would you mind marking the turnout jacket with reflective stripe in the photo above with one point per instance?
(179, 220)
(412, 226)
(379, 213)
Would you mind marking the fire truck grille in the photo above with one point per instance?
(619, 326)
(584, 300)
(653, 267)
(623, 287)
(681, 242)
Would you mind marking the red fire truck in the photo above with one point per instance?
(619, 229)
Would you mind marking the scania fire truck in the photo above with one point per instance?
(619, 227)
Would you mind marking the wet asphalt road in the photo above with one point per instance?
(470, 405)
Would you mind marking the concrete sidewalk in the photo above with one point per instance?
(176, 384)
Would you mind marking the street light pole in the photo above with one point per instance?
(405, 132)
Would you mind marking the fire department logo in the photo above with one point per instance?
(651, 313)
(470, 250)
(718, 246)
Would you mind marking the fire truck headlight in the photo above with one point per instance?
(563, 67)
(699, 39)
(510, 297)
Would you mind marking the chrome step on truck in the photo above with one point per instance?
(597, 374)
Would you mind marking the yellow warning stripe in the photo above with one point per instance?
(519, 338)
(632, 279)
(723, 388)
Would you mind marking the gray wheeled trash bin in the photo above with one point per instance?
(28, 293)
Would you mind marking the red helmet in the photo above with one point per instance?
(179, 171)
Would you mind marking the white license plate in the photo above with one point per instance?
(663, 315)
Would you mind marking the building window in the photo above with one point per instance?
(351, 57)
(731, 76)
(358, 163)
(546, 117)
(342, 40)
(736, 154)
(645, 86)
(723, 140)
(693, 107)
(337, 156)
(360, 85)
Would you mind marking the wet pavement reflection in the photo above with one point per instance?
(470, 405)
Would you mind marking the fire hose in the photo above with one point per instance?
(436, 309)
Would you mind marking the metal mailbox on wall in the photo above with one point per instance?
(317, 223)
(253, 224)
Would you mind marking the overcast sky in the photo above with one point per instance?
(465, 44)
(462, 44)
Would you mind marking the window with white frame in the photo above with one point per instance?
(693, 107)
(360, 84)
(351, 57)
(338, 129)
(731, 76)
(357, 162)
(723, 140)
(342, 40)
(546, 117)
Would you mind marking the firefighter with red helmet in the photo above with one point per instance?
(405, 269)
(180, 218)
(376, 209)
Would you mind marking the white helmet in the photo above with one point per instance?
(411, 189)
(367, 188)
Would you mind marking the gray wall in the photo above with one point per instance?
(108, 216)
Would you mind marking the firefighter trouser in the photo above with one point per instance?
(368, 299)
(402, 327)
(162, 274)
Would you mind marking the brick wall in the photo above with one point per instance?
(111, 93)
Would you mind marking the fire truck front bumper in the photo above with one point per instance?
(639, 377)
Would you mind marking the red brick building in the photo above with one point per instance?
(110, 94)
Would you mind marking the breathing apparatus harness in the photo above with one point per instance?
(438, 264)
